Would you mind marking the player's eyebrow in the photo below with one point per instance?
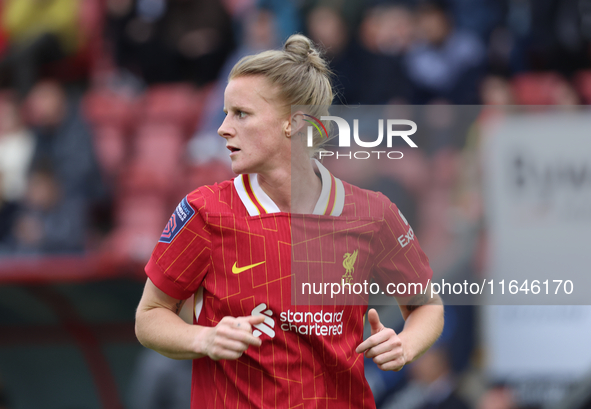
(236, 108)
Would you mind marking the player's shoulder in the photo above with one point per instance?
(358, 193)
(365, 202)
(215, 197)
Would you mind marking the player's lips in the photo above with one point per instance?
(232, 149)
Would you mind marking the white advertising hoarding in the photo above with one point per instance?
(537, 174)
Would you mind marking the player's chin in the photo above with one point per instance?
(239, 168)
(236, 164)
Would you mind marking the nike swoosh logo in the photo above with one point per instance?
(238, 270)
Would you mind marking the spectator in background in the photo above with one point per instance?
(287, 15)
(552, 33)
(16, 149)
(49, 222)
(378, 75)
(39, 31)
(541, 35)
(432, 385)
(497, 397)
(63, 140)
(3, 40)
(351, 11)
(327, 27)
(445, 63)
(170, 41)
(496, 90)
(477, 16)
(259, 32)
(8, 212)
(160, 382)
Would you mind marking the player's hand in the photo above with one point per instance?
(231, 337)
(384, 345)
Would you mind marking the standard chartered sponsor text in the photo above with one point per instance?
(308, 323)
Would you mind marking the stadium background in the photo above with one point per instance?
(108, 117)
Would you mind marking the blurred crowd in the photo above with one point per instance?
(109, 113)
(109, 109)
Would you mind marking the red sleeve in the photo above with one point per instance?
(181, 258)
(401, 259)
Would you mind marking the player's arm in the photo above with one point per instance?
(423, 324)
(159, 327)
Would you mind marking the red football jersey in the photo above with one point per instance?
(231, 246)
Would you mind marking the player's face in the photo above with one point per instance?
(255, 126)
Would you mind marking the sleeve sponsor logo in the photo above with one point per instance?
(182, 214)
(405, 239)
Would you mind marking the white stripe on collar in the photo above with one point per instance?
(263, 199)
(323, 200)
(244, 198)
(270, 207)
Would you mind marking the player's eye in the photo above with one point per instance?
(241, 114)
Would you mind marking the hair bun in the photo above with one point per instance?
(303, 50)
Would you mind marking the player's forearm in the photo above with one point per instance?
(422, 328)
(166, 333)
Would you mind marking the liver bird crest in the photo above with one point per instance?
(349, 263)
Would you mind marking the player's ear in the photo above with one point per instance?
(287, 129)
(296, 122)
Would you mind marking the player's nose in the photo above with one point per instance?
(226, 130)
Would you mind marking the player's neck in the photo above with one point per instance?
(295, 189)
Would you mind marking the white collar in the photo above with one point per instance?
(257, 202)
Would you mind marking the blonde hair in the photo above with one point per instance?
(298, 71)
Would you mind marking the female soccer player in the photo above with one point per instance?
(231, 245)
